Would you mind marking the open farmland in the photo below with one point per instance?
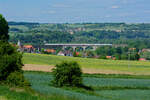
(107, 88)
(91, 65)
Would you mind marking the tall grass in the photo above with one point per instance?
(103, 87)
(7, 93)
(125, 94)
(116, 82)
(41, 83)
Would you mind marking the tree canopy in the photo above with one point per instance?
(3, 29)
(10, 59)
(134, 35)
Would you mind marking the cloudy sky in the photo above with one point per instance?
(74, 11)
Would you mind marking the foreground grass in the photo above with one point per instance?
(7, 93)
(104, 87)
(134, 67)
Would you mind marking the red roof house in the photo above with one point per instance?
(142, 59)
(108, 57)
(28, 46)
(50, 50)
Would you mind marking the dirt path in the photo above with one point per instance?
(31, 67)
(46, 68)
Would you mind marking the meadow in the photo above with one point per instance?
(104, 86)
(107, 88)
(15, 93)
(133, 67)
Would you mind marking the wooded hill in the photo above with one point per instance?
(135, 35)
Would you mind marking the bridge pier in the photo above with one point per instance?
(64, 47)
(94, 48)
(74, 48)
(84, 48)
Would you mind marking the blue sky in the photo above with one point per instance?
(74, 11)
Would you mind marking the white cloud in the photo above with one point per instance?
(115, 7)
(108, 16)
(147, 11)
(61, 6)
(124, 1)
(126, 14)
(49, 12)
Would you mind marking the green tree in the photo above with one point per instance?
(124, 56)
(67, 74)
(10, 59)
(137, 56)
(102, 57)
(3, 29)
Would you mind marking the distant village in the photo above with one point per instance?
(32, 49)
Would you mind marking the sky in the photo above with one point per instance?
(76, 11)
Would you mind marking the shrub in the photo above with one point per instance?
(102, 57)
(17, 79)
(67, 74)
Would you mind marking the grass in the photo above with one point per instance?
(125, 94)
(104, 88)
(117, 82)
(134, 67)
(7, 93)
(122, 76)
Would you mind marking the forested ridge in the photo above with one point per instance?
(135, 35)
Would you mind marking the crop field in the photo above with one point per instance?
(131, 67)
(107, 88)
(7, 93)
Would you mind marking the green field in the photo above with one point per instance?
(7, 93)
(107, 88)
(134, 67)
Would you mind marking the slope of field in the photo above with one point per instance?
(89, 64)
(104, 88)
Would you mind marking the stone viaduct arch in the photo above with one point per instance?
(74, 46)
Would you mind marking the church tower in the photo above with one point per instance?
(19, 43)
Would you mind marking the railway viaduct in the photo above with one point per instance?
(74, 46)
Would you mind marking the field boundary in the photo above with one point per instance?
(46, 68)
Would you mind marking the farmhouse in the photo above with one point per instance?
(25, 48)
(50, 50)
(145, 50)
(142, 59)
(61, 54)
(108, 57)
(28, 48)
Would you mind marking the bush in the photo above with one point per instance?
(67, 74)
(102, 57)
(17, 79)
